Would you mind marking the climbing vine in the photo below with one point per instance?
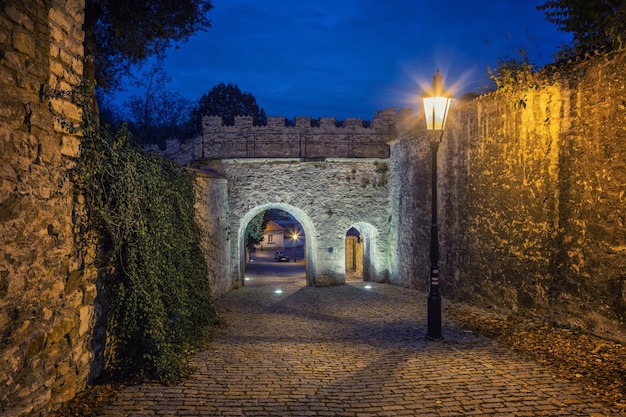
(514, 78)
(152, 268)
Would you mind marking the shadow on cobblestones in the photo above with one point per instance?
(351, 351)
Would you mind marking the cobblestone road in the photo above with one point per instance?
(351, 351)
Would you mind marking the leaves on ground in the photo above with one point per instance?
(89, 402)
(598, 364)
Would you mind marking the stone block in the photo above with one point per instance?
(276, 121)
(57, 68)
(303, 121)
(20, 18)
(60, 17)
(70, 146)
(35, 347)
(85, 314)
(24, 43)
(60, 331)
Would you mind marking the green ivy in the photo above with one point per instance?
(515, 78)
(152, 265)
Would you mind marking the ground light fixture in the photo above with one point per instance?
(436, 107)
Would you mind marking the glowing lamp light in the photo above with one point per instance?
(278, 291)
(436, 104)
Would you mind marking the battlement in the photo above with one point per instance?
(382, 121)
(304, 138)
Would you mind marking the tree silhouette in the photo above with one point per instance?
(122, 33)
(156, 114)
(594, 24)
(228, 101)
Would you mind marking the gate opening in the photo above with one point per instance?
(280, 251)
(354, 255)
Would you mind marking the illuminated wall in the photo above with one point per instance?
(533, 196)
(47, 281)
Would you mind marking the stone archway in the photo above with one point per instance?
(309, 232)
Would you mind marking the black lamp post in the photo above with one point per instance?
(436, 106)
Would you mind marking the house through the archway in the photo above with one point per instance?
(304, 227)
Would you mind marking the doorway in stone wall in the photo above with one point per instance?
(362, 262)
(354, 255)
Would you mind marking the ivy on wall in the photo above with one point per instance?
(152, 268)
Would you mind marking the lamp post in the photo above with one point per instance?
(436, 106)
(294, 236)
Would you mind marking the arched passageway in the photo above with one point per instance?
(302, 246)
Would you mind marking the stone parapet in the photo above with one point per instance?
(308, 139)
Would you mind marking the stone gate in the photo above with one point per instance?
(329, 176)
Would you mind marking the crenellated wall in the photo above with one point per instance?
(47, 282)
(308, 140)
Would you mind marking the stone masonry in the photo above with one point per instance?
(309, 139)
(531, 193)
(330, 177)
(46, 284)
(326, 197)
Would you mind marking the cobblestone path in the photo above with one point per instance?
(351, 351)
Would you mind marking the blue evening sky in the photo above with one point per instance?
(351, 58)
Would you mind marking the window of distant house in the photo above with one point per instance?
(270, 238)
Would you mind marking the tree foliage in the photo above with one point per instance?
(594, 24)
(228, 101)
(120, 33)
(512, 74)
(254, 230)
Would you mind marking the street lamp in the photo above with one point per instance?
(294, 236)
(436, 106)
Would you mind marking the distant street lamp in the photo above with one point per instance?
(436, 106)
(294, 236)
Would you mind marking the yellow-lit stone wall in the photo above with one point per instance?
(46, 283)
(533, 196)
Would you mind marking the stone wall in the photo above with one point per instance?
(326, 197)
(409, 188)
(308, 139)
(212, 208)
(46, 283)
(532, 198)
